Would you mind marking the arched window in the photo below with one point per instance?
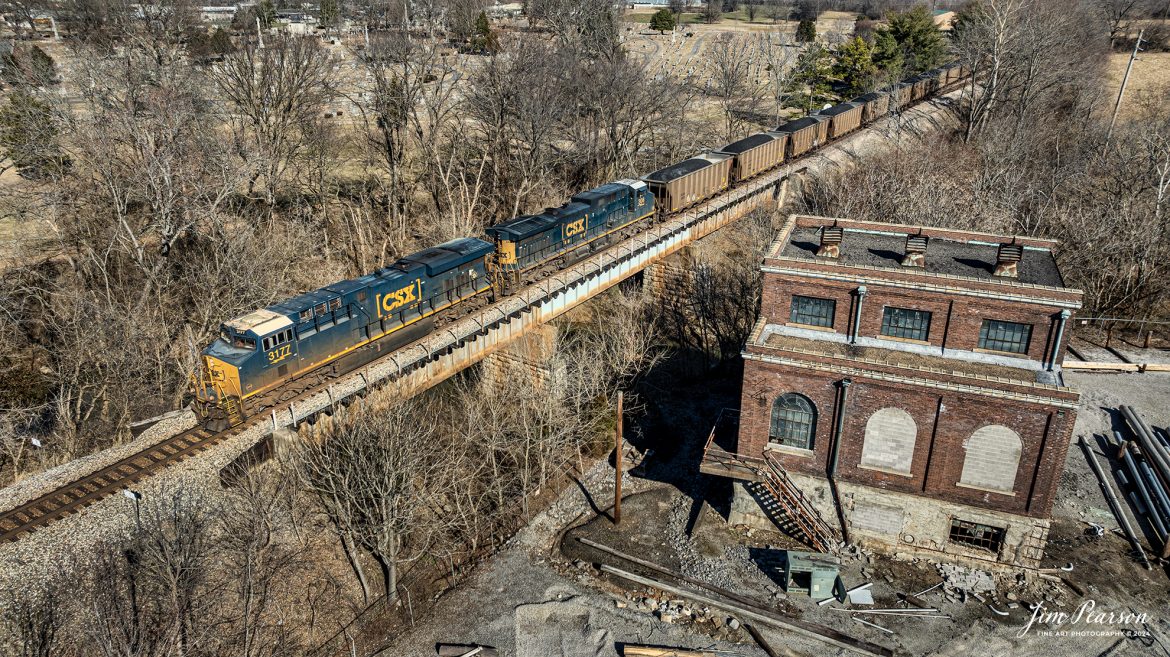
(889, 440)
(794, 421)
(993, 456)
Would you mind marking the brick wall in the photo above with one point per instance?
(955, 321)
(944, 422)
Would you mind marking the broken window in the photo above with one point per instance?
(793, 421)
(973, 534)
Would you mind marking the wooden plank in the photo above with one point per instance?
(761, 615)
(1103, 367)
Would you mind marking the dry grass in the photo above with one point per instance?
(1148, 83)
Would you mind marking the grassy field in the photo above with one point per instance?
(1148, 83)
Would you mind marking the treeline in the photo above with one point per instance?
(1033, 156)
(379, 505)
(164, 193)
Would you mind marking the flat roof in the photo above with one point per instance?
(973, 258)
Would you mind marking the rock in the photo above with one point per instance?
(664, 616)
(620, 604)
(581, 565)
(1011, 595)
(733, 624)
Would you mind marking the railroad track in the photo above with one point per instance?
(121, 475)
(73, 497)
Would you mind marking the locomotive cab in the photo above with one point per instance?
(230, 363)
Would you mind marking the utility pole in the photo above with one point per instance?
(617, 464)
(1137, 47)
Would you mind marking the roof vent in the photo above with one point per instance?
(915, 251)
(1007, 261)
(830, 242)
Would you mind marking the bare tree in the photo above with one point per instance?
(729, 62)
(274, 95)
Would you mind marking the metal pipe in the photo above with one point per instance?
(1152, 449)
(1147, 500)
(1157, 492)
(1064, 315)
(843, 397)
(1114, 504)
(861, 292)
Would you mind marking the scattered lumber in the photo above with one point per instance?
(465, 650)
(763, 643)
(658, 651)
(758, 614)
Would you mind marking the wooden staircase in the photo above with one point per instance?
(787, 506)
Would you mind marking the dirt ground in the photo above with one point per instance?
(1148, 83)
(543, 594)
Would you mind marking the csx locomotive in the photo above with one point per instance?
(342, 326)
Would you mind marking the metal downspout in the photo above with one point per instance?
(1064, 315)
(837, 431)
(861, 291)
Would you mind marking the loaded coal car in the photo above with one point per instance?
(345, 324)
(901, 96)
(805, 134)
(577, 227)
(682, 185)
(873, 106)
(755, 154)
(843, 118)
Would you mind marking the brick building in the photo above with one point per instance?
(907, 380)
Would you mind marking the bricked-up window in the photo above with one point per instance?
(993, 457)
(973, 534)
(1005, 336)
(812, 311)
(906, 323)
(794, 420)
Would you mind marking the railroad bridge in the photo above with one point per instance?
(467, 341)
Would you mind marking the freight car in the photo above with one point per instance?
(873, 106)
(843, 118)
(805, 134)
(755, 154)
(682, 185)
(578, 227)
(339, 327)
(345, 324)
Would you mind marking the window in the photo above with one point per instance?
(1005, 336)
(812, 311)
(794, 421)
(334, 304)
(306, 315)
(906, 323)
(267, 344)
(973, 534)
(362, 296)
(241, 342)
(321, 309)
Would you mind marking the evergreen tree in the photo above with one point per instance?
(266, 12)
(221, 43)
(855, 65)
(662, 20)
(812, 71)
(28, 136)
(887, 55)
(806, 31)
(330, 11)
(919, 42)
(484, 39)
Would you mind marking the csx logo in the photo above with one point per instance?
(397, 299)
(575, 228)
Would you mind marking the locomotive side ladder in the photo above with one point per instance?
(783, 495)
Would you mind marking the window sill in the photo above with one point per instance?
(897, 473)
(1005, 493)
(794, 451)
(907, 340)
(811, 327)
(1013, 354)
